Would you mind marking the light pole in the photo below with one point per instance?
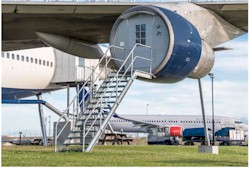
(49, 124)
(20, 137)
(147, 109)
(211, 75)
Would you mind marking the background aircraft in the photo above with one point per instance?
(140, 123)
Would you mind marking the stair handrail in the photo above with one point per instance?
(106, 102)
(150, 60)
(80, 90)
(107, 61)
(124, 62)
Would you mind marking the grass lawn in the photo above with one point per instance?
(124, 156)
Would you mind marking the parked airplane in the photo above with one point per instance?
(140, 123)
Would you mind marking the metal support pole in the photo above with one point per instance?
(203, 115)
(49, 125)
(43, 127)
(78, 100)
(68, 87)
(83, 102)
(213, 108)
(212, 80)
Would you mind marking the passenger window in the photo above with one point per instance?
(17, 57)
(40, 61)
(51, 64)
(31, 60)
(43, 62)
(13, 56)
(36, 61)
(8, 55)
(22, 58)
(47, 63)
(27, 59)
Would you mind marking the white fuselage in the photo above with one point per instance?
(185, 121)
(28, 69)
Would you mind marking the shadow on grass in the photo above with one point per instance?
(201, 162)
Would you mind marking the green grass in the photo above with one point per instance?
(124, 156)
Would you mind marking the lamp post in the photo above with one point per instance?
(20, 137)
(211, 75)
(147, 108)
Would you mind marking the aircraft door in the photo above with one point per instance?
(140, 31)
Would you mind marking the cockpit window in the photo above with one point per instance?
(238, 122)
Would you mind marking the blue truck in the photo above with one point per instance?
(191, 135)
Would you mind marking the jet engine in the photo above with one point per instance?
(176, 48)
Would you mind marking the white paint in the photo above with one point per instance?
(26, 75)
(122, 44)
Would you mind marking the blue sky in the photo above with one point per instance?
(230, 95)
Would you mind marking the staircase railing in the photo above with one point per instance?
(91, 81)
(74, 104)
(116, 77)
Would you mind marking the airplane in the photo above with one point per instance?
(164, 42)
(140, 123)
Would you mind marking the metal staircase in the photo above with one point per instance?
(91, 116)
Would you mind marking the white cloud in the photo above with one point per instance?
(183, 98)
(236, 64)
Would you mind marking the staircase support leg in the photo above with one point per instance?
(207, 141)
(42, 122)
(68, 93)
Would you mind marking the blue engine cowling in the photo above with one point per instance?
(175, 42)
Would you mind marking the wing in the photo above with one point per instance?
(235, 13)
(82, 23)
(90, 24)
(139, 123)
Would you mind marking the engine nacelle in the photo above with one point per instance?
(176, 44)
(206, 62)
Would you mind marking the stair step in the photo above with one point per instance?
(74, 137)
(94, 114)
(103, 86)
(88, 124)
(105, 97)
(80, 131)
(79, 137)
(120, 81)
(91, 108)
(120, 74)
(109, 102)
(119, 91)
(91, 118)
